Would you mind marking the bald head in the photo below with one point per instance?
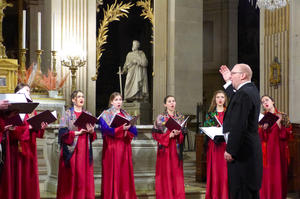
(245, 69)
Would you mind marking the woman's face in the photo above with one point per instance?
(117, 102)
(267, 103)
(78, 100)
(170, 104)
(220, 99)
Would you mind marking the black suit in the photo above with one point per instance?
(241, 121)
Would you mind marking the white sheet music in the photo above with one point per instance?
(212, 131)
(13, 98)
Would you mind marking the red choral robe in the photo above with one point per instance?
(117, 168)
(76, 180)
(2, 125)
(169, 180)
(275, 161)
(19, 178)
(217, 179)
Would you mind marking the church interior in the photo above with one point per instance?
(58, 46)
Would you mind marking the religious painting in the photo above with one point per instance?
(3, 81)
(275, 73)
(124, 39)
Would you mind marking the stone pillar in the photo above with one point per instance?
(185, 62)
(294, 73)
(232, 32)
(78, 33)
(160, 55)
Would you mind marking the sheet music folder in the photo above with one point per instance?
(18, 102)
(119, 120)
(45, 116)
(172, 124)
(268, 118)
(14, 120)
(214, 133)
(85, 119)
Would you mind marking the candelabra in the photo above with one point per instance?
(73, 63)
(54, 62)
(22, 61)
(39, 59)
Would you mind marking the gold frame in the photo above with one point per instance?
(275, 73)
(9, 70)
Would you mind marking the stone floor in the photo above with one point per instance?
(194, 190)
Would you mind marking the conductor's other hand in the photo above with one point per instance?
(225, 72)
(228, 157)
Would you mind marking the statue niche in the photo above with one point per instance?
(136, 85)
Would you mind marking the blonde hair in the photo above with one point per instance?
(213, 103)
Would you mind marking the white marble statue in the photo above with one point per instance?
(136, 86)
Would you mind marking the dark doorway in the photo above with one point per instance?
(248, 37)
(119, 43)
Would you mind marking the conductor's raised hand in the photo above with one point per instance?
(225, 72)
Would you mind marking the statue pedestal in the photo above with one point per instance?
(143, 109)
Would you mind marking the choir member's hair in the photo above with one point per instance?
(213, 103)
(271, 98)
(166, 98)
(112, 97)
(74, 94)
(20, 86)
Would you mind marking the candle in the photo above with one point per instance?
(53, 32)
(24, 30)
(39, 31)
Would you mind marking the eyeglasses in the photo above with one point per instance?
(233, 72)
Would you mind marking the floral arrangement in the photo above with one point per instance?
(50, 82)
(38, 81)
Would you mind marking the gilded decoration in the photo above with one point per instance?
(3, 5)
(8, 75)
(112, 13)
(147, 12)
(275, 73)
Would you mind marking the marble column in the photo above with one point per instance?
(78, 31)
(160, 60)
(185, 65)
(294, 73)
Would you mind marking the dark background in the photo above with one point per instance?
(119, 43)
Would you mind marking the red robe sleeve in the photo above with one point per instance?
(21, 133)
(119, 132)
(285, 132)
(68, 138)
(93, 136)
(2, 125)
(162, 138)
(179, 138)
